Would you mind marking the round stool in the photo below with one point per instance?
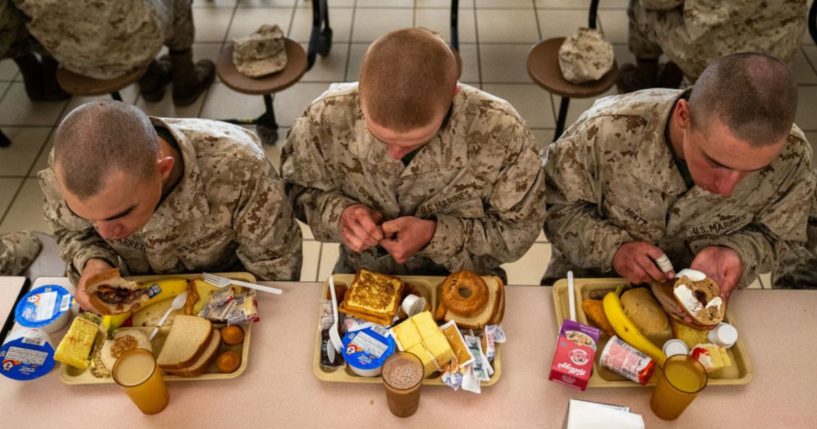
(76, 84)
(543, 68)
(265, 125)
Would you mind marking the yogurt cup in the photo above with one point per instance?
(675, 347)
(48, 308)
(724, 335)
(365, 350)
(26, 354)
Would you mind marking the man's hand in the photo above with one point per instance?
(92, 268)
(407, 235)
(635, 261)
(359, 227)
(722, 264)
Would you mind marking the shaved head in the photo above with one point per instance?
(754, 95)
(101, 137)
(407, 79)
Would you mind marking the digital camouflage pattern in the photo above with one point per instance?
(14, 38)
(17, 251)
(611, 178)
(106, 39)
(696, 32)
(480, 178)
(228, 213)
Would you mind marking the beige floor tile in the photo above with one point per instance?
(560, 23)
(528, 270)
(224, 103)
(329, 255)
(443, 4)
(331, 68)
(334, 3)
(470, 64)
(129, 95)
(16, 109)
(369, 24)
(541, 237)
(266, 3)
(806, 106)
(503, 4)
(246, 21)
(209, 51)
(8, 187)
(623, 54)
(811, 53)
(507, 26)
(27, 210)
(532, 102)
(7, 70)
(42, 159)
(754, 285)
(802, 69)
(543, 137)
(614, 23)
(214, 3)
(3, 87)
(166, 109)
(291, 103)
(274, 151)
(340, 20)
(504, 63)
(439, 20)
(385, 3)
(16, 159)
(312, 254)
(212, 24)
(356, 53)
(580, 4)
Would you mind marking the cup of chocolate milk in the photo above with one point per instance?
(403, 377)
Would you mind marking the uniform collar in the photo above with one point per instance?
(187, 201)
(444, 151)
(655, 160)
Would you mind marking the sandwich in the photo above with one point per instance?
(692, 299)
(374, 297)
(111, 294)
(190, 347)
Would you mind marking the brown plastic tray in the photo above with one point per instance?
(424, 285)
(602, 377)
(71, 375)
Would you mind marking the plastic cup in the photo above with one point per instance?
(679, 383)
(138, 374)
(403, 377)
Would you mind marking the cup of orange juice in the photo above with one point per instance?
(680, 381)
(138, 374)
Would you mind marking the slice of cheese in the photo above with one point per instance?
(75, 347)
(421, 336)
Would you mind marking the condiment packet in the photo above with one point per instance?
(452, 379)
(480, 362)
(232, 308)
(496, 332)
(470, 382)
(327, 318)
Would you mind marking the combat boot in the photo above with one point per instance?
(158, 75)
(190, 80)
(52, 91)
(32, 72)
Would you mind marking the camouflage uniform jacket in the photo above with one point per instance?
(479, 177)
(700, 31)
(228, 212)
(611, 178)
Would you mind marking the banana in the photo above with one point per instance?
(626, 330)
(158, 290)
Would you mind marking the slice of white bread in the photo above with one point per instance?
(493, 312)
(188, 338)
(203, 362)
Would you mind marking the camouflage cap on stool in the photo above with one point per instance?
(260, 53)
(585, 56)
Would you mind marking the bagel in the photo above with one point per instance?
(464, 293)
(693, 294)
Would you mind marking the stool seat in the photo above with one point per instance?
(543, 68)
(76, 84)
(237, 81)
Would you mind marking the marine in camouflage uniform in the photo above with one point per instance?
(798, 266)
(17, 251)
(14, 38)
(612, 178)
(229, 212)
(693, 33)
(479, 178)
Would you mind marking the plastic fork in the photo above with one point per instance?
(334, 337)
(221, 282)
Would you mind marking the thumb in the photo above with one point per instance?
(392, 226)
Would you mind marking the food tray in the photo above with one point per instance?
(426, 286)
(71, 375)
(602, 377)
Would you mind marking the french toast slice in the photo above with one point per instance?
(373, 296)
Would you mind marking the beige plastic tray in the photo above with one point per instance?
(425, 286)
(71, 375)
(602, 377)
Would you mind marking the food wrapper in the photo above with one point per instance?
(470, 382)
(231, 307)
(481, 368)
(327, 318)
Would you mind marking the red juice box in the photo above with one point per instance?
(575, 354)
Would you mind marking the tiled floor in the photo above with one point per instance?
(495, 36)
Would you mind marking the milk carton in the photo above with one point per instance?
(575, 353)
